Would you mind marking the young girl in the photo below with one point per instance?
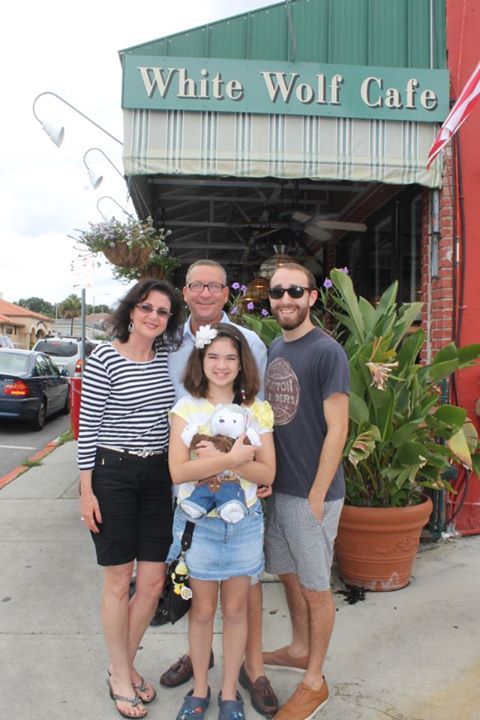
(221, 370)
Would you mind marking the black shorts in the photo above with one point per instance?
(135, 497)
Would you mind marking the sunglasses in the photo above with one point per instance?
(295, 291)
(146, 309)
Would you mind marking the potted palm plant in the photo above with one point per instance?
(402, 439)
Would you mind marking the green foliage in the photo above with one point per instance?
(70, 308)
(402, 439)
(37, 304)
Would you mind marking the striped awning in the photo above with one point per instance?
(280, 146)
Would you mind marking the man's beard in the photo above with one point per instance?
(291, 322)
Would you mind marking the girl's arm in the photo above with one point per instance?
(183, 469)
(262, 470)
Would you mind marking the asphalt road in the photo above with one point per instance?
(18, 442)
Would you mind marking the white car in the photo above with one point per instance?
(66, 352)
(5, 342)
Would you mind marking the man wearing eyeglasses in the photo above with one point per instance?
(307, 384)
(206, 293)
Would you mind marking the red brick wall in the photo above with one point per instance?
(437, 293)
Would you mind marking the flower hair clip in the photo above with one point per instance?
(204, 336)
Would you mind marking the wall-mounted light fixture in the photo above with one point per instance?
(56, 134)
(96, 180)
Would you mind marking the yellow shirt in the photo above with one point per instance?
(199, 411)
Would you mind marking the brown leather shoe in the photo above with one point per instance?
(180, 672)
(304, 703)
(262, 696)
(282, 660)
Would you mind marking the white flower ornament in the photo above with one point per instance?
(204, 336)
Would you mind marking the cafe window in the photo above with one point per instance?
(388, 251)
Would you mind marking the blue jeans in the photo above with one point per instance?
(203, 500)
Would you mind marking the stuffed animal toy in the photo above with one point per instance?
(224, 493)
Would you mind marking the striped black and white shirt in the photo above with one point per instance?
(124, 404)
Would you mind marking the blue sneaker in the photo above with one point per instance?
(193, 708)
(231, 709)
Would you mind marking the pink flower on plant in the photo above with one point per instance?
(327, 283)
(250, 306)
(236, 286)
(265, 313)
(345, 270)
(243, 289)
(233, 311)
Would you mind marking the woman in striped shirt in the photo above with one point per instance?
(124, 479)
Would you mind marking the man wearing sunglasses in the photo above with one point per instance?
(206, 293)
(307, 384)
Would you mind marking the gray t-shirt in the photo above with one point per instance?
(300, 375)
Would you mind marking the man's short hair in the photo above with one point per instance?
(207, 263)
(312, 283)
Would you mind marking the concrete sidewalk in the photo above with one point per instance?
(409, 655)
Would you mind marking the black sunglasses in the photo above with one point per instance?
(295, 291)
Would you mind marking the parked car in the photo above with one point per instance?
(6, 342)
(31, 387)
(66, 352)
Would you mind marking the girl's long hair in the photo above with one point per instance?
(246, 384)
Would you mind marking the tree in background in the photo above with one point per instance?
(91, 309)
(70, 308)
(37, 304)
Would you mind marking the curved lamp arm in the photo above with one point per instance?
(56, 134)
(109, 197)
(95, 179)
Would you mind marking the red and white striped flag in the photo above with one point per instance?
(464, 105)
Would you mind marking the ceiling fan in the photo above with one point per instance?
(320, 227)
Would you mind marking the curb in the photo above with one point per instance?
(16, 472)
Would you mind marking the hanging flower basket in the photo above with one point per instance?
(135, 247)
(124, 256)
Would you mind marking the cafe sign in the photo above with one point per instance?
(271, 87)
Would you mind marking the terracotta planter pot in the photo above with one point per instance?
(123, 256)
(376, 547)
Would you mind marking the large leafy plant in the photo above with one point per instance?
(402, 437)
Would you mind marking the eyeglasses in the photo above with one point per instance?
(295, 291)
(146, 309)
(213, 287)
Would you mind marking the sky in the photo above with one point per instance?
(71, 49)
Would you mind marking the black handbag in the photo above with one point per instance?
(177, 596)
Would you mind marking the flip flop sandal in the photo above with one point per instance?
(134, 702)
(142, 688)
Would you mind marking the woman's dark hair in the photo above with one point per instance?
(137, 294)
(246, 384)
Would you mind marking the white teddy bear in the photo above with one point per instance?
(224, 493)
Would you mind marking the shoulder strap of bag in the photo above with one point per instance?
(187, 535)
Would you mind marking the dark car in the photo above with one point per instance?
(31, 387)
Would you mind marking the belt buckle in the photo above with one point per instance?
(141, 453)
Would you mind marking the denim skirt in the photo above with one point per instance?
(221, 550)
